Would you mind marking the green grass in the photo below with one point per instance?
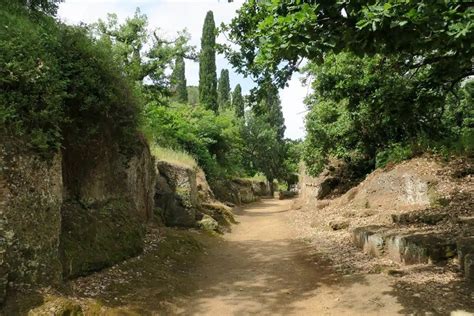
(256, 177)
(177, 157)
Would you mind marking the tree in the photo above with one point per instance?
(269, 105)
(224, 90)
(179, 81)
(207, 65)
(193, 95)
(238, 101)
(47, 6)
(293, 151)
(142, 54)
(264, 151)
(361, 106)
(273, 37)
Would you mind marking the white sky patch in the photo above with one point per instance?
(294, 110)
(171, 16)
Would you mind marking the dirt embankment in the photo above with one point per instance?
(412, 221)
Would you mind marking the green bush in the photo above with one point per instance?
(212, 139)
(59, 87)
(393, 154)
(364, 109)
(31, 84)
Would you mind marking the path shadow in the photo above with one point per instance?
(256, 277)
(434, 296)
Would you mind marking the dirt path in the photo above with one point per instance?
(261, 269)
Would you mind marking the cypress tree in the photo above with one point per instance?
(223, 90)
(207, 65)
(238, 101)
(179, 80)
(270, 107)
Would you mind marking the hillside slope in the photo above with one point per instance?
(413, 220)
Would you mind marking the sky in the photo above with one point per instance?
(171, 16)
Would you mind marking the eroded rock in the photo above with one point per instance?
(30, 217)
(176, 194)
(465, 246)
(207, 223)
(106, 203)
(469, 267)
(240, 191)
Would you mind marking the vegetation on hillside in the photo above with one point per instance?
(389, 80)
(58, 84)
(120, 78)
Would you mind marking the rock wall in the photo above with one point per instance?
(141, 178)
(86, 207)
(240, 191)
(401, 186)
(176, 194)
(30, 217)
(72, 212)
(108, 198)
(184, 198)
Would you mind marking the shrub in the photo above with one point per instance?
(393, 154)
(59, 87)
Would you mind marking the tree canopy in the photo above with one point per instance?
(143, 54)
(274, 36)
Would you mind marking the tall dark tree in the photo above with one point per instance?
(223, 90)
(46, 6)
(269, 105)
(207, 64)
(179, 80)
(238, 101)
(264, 150)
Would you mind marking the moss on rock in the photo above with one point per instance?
(98, 236)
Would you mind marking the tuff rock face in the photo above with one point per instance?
(107, 202)
(176, 194)
(30, 217)
(240, 191)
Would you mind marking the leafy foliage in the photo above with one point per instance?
(193, 95)
(273, 36)
(386, 73)
(291, 163)
(207, 64)
(264, 151)
(178, 80)
(263, 135)
(223, 92)
(59, 86)
(46, 6)
(238, 103)
(364, 108)
(214, 140)
(141, 54)
(30, 79)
